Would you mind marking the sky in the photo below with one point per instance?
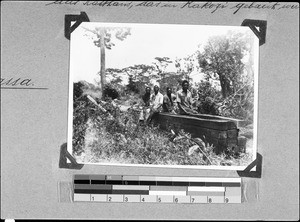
(146, 42)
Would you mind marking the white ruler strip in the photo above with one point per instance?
(207, 189)
(163, 193)
(210, 179)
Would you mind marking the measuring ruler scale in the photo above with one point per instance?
(156, 189)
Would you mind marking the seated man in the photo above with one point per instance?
(156, 101)
(184, 100)
(169, 101)
(146, 96)
(145, 104)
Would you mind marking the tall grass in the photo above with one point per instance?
(120, 138)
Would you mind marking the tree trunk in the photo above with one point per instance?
(102, 60)
(224, 86)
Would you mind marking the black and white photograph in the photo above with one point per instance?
(163, 95)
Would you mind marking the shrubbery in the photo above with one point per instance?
(110, 91)
(80, 117)
(208, 97)
(133, 86)
(237, 105)
(118, 137)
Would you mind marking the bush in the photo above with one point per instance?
(80, 117)
(208, 106)
(208, 97)
(239, 105)
(77, 90)
(132, 85)
(122, 139)
(118, 137)
(83, 110)
(110, 92)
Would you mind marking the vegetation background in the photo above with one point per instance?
(116, 135)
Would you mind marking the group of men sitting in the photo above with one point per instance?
(154, 103)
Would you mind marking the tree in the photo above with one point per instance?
(103, 40)
(139, 76)
(172, 80)
(187, 65)
(222, 59)
(114, 75)
(161, 64)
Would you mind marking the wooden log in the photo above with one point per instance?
(95, 103)
(99, 106)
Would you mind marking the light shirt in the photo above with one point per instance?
(185, 99)
(157, 100)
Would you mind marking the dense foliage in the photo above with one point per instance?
(81, 113)
(228, 59)
(110, 91)
(116, 136)
(208, 97)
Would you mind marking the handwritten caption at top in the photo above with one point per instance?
(208, 6)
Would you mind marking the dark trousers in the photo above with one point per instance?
(153, 115)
